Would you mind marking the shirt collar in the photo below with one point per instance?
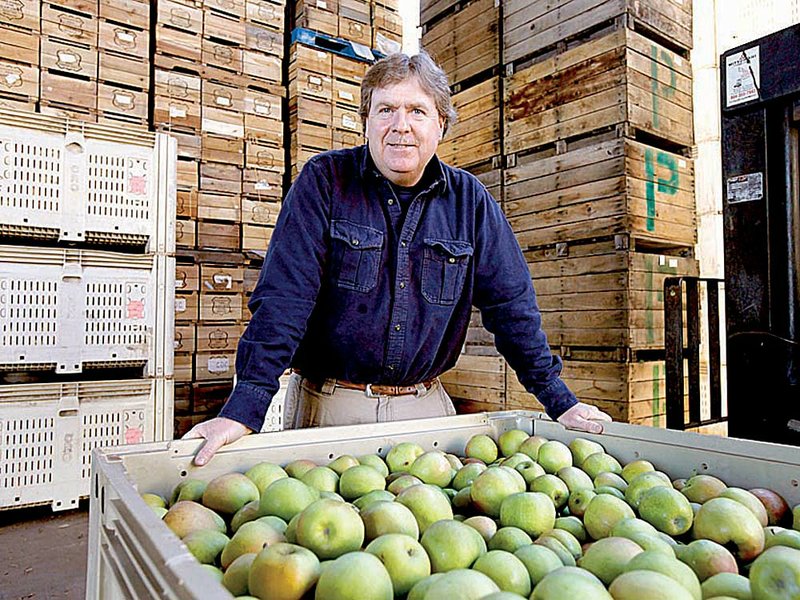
(434, 171)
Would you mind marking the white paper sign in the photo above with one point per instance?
(743, 75)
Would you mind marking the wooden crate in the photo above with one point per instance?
(475, 137)
(618, 79)
(264, 39)
(186, 307)
(183, 367)
(217, 56)
(218, 177)
(218, 337)
(19, 81)
(131, 13)
(24, 15)
(177, 43)
(187, 277)
(208, 398)
(185, 338)
(491, 175)
(69, 26)
(68, 58)
(211, 366)
(346, 139)
(531, 28)
(466, 43)
(593, 295)
(119, 69)
(255, 238)
(65, 90)
(185, 233)
(224, 28)
(234, 8)
(218, 236)
(223, 150)
(222, 207)
(260, 156)
(122, 39)
(266, 68)
(311, 85)
(354, 31)
(477, 379)
(188, 174)
(88, 7)
(598, 187)
(186, 204)
(184, 16)
(265, 105)
(355, 10)
(309, 16)
(267, 12)
(221, 278)
(433, 10)
(263, 131)
(348, 69)
(260, 211)
(346, 94)
(313, 60)
(262, 183)
(220, 307)
(117, 100)
(347, 119)
(177, 100)
(19, 45)
(387, 30)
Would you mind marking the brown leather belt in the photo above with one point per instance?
(372, 389)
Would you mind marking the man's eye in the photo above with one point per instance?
(384, 111)
(419, 111)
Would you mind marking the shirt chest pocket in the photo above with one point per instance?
(356, 255)
(444, 269)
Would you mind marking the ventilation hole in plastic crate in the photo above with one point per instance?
(29, 308)
(27, 446)
(99, 430)
(32, 176)
(118, 187)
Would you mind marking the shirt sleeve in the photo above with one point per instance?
(504, 294)
(284, 296)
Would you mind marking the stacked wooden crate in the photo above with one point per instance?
(463, 38)
(219, 90)
(20, 28)
(599, 185)
(325, 75)
(95, 60)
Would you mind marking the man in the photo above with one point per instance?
(378, 255)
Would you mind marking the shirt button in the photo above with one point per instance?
(451, 260)
(355, 242)
(397, 327)
(402, 285)
(391, 367)
(390, 201)
(403, 244)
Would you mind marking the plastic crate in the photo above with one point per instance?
(48, 432)
(133, 555)
(66, 310)
(83, 182)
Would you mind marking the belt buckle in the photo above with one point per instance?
(369, 393)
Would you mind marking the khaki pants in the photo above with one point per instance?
(334, 405)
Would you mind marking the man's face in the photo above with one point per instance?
(403, 131)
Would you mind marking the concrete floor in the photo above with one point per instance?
(43, 554)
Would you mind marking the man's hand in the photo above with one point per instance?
(584, 417)
(217, 432)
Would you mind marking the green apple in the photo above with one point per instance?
(570, 582)
(371, 497)
(154, 501)
(610, 479)
(404, 558)
(432, 468)
(249, 512)
(206, 544)
(323, 479)
(188, 489)
(401, 456)
(647, 585)
(701, 488)
(787, 537)
(296, 468)
(283, 571)
(421, 587)
(509, 539)
(235, 578)
(510, 441)
(553, 487)
(506, 570)
(667, 510)
(466, 474)
(606, 558)
(575, 478)
(579, 500)
(464, 584)
(531, 446)
(251, 537)
(569, 541)
(452, 545)
(669, 566)
(374, 461)
(636, 467)
(287, 497)
(603, 513)
(359, 480)
(492, 486)
(529, 471)
(726, 521)
(463, 498)
(642, 483)
(707, 558)
(355, 576)
(276, 523)
(329, 528)
(228, 493)
(533, 512)
(381, 518)
(749, 500)
(581, 448)
(554, 455)
(600, 462)
(538, 560)
(482, 447)
(574, 525)
(263, 474)
(517, 459)
(727, 584)
(427, 503)
(403, 482)
(342, 463)
(186, 516)
(484, 525)
(776, 574)
(551, 543)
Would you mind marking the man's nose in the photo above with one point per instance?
(401, 122)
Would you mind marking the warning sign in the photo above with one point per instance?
(745, 188)
(743, 76)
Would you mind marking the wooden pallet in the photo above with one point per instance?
(185, 338)
(187, 307)
(475, 137)
(619, 78)
(490, 174)
(532, 28)
(185, 233)
(187, 277)
(601, 186)
(466, 43)
(477, 379)
(216, 235)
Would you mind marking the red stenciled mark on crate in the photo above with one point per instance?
(133, 435)
(135, 309)
(137, 184)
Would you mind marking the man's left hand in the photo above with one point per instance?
(584, 417)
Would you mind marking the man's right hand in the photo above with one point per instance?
(217, 432)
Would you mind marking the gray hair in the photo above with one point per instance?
(397, 68)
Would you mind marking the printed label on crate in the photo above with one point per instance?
(322, 4)
(218, 364)
(262, 108)
(177, 112)
(745, 188)
(220, 281)
(12, 10)
(12, 77)
(124, 38)
(263, 184)
(349, 122)
(346, 95)
(743, 76)
(180, 303)
(137, 176)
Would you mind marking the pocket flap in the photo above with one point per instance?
(453, 248)
(358, 237)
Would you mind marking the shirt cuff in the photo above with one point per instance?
(557, 399)
(247, 404)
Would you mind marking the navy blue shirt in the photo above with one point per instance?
(356, 288)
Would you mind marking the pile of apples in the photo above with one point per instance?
(517, 517)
